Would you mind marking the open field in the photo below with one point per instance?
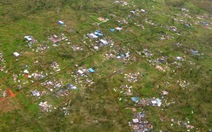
(105, 65)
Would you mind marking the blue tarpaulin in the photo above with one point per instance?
(204, 23)
(122, 55)
(193, 52)
(91, 70)
(135, 99)
(112, 29)
(98, 33)
(70, 85)
(187, 25)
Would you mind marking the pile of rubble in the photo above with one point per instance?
(37, 75)
(82, 72)
(124, 56)
(40, 48)
(45, 107)
(123, 21)
(132, 77)
(123, 3)
(55, 66)
(126, 89)
(183, 83)
(147, 53)
(76, 48)
(147, 101)
(2, 62)
(139, 123)
(30, 40)
(99, 40)
(109, 55)
(51, 84)
(185, 124)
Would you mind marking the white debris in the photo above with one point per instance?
(179, 58)
(118, 28)
(35, 93)
(184, 9)
(104, 42)
(96, 47)
(91, 35)
(156, 102)
(26, 72)
(80, 71)
(165, 92)
(135, 120)
(16, 54)
(127, 54)
(143, 11)
(44, 106)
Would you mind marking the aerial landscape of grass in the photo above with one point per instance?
(105, 65)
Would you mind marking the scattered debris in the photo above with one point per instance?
(127, 89)
(132, 77)
(35, 93)
(193, 52)
(156, 102)
(118, 28)
(103, 19)
(55, 39)
(71, 87)
(2, 62)
(92, 36)
(139, 123)
(30, 40)
(45, 107)
(164, 93)
(103, 42)
(55, 66)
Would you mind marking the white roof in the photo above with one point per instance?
(156, 102)
(16, 54)
(96, 47)
(26, 71)
(142, 10)
(80, 71)
(135, 120)
(118, 28)
(179, 58)
(61, 22)
(103, 41)
(91, 35)
(29, 38)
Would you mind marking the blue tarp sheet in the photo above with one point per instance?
(91, 70)
(135, 99)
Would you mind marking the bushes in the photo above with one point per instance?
(205, 4)
(175, 3)
(17, 10)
